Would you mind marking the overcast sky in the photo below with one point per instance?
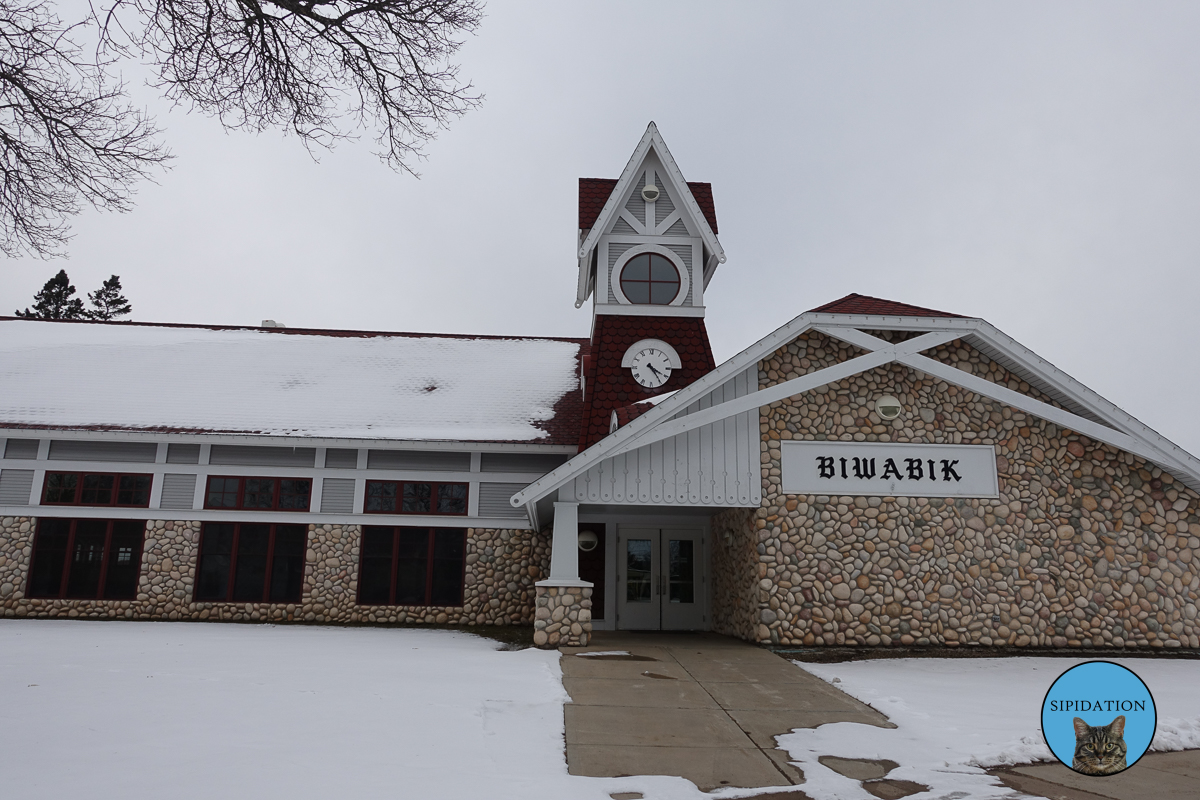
(1034, 164)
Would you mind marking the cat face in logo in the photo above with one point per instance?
(1099, 750)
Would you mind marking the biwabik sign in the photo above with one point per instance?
(895, 470)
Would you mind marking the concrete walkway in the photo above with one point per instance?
(1162, 776)
(700, 706)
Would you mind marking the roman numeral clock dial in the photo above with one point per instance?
(651, 367)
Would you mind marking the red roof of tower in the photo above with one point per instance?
(594, 192)
(862, 304)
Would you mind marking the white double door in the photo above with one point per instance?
(660, 579)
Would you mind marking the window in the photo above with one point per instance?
(96, 489)
(250, 563)
(86, 559)
(412, 566)
(404, 497)
(258, 494)
(650, 279)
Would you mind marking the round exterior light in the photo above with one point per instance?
(588, 541)
(888, 407)
(649, 192)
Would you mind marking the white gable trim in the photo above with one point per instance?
(651, 139)
(1122, 431)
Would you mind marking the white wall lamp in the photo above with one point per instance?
(888, 407)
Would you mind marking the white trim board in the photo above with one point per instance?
(1103, 422)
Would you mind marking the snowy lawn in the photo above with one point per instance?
(136, 710)
(957, 715)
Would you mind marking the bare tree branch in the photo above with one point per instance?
(67, 135)
(320, 68)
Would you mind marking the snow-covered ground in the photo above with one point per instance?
(173, 710)
(135, 710)
(957, 715)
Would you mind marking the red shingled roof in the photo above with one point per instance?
(611, 386)
(862, 304)
(594, 192)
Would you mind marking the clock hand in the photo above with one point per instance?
(652, 369)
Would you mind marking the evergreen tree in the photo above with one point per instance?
(54, 301)
(107, 302)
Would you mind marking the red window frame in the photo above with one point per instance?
(41, 552)
(435, 488)
(240, 503)
(234, 554)
(430, 563)
(80, 480)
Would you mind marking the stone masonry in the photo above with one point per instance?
(1085, 546)
(501, 568)
(563, 617)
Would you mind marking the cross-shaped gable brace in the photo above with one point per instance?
(880, 353)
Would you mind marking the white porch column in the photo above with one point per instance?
(564, 548)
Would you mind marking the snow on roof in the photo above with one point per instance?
(312, 384)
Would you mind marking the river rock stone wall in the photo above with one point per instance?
(564, 616)
(501, 568)
(735, 573)
(1086, 545)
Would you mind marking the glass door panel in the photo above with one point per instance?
(638, 565)
(683, 607)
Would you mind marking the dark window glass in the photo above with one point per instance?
(449, 550)
(124, 560)
(452, 498)
(251, 563)
(134, 490)
(650, 279)
(86, 559)
(97, 490)
(251, 573)
(287, 564)
(222, 493)
(375, 574)
(61, 487)
(381, 496)
(412, 566)
(260, 493)
(681, 571)
(49, 556)
(216, 555)
(293, 494)
(416, 498)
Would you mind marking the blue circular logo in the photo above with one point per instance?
(1098, 718)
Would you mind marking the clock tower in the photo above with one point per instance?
(647, 250)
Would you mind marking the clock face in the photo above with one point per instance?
(651, 367)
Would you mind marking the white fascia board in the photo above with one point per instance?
(289, 441)
(649, 311)
(584, 288)
(612, 206)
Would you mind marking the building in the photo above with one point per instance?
(872, 473)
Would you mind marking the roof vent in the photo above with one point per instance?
(270, 323)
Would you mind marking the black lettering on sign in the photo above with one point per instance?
(864, 468)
